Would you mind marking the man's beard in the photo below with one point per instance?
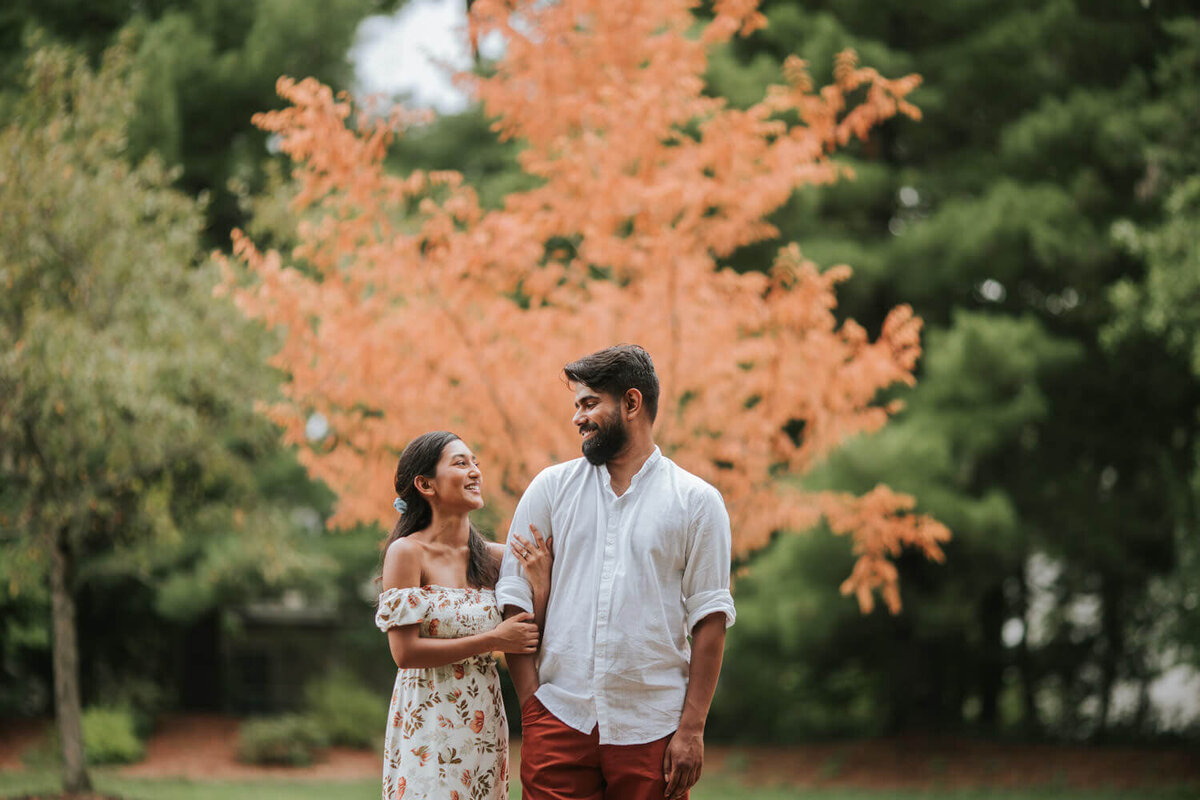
(610, 437)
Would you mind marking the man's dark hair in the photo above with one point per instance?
(616, 370)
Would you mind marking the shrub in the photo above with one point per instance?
(110, 736)
(144, 698)
(347, 712)
(291, 740)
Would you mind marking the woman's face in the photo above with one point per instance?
(458, 484)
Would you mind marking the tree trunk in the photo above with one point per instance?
(66, 668)
(1030, 723)
(1112, 642)
(992, 609)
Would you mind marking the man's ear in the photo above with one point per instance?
(631, 403)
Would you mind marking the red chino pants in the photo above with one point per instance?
(560, 763)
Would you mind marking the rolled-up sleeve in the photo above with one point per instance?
(706, 573)
(512, 588)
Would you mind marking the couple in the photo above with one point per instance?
(613, 698)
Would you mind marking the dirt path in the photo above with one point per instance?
(202, 747)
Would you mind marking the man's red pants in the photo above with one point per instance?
(560, 763)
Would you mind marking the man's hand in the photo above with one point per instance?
(682, 763)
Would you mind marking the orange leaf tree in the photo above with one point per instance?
(406, 306)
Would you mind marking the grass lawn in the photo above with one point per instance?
(715, 787)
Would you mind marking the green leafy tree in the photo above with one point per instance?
(209, 65)
(126, 391)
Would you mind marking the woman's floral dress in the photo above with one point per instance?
(447, 735)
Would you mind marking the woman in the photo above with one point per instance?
(447, 735)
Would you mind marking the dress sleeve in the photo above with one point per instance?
(400, 607)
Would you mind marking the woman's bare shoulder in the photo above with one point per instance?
(404, 547)
(402, 563)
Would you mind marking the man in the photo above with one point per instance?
(613, 705)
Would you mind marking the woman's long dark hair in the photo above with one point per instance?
(421, 458)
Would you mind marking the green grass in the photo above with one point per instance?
(716, 787)
(15, 784)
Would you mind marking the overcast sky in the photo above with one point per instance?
(404, 53)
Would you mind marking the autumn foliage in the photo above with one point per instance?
(407, 307)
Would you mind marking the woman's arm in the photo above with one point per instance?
(410, 650)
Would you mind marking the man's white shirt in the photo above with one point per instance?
(632, 576)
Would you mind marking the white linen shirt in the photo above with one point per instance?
(632, 576)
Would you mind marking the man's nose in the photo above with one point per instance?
(578, 418)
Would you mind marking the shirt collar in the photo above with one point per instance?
(648, 465)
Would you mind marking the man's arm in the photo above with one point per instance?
(514, 593)
(522, 668)
(516, 596)
(709, 608)
(685, 752)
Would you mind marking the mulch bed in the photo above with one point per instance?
(17, 736)
(204, 746)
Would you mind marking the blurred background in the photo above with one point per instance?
(1043, 218)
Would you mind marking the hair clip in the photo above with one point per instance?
(399, 505)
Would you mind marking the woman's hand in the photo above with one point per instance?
(536, 557)
(517, 634)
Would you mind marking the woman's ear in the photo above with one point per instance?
(423, 485)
